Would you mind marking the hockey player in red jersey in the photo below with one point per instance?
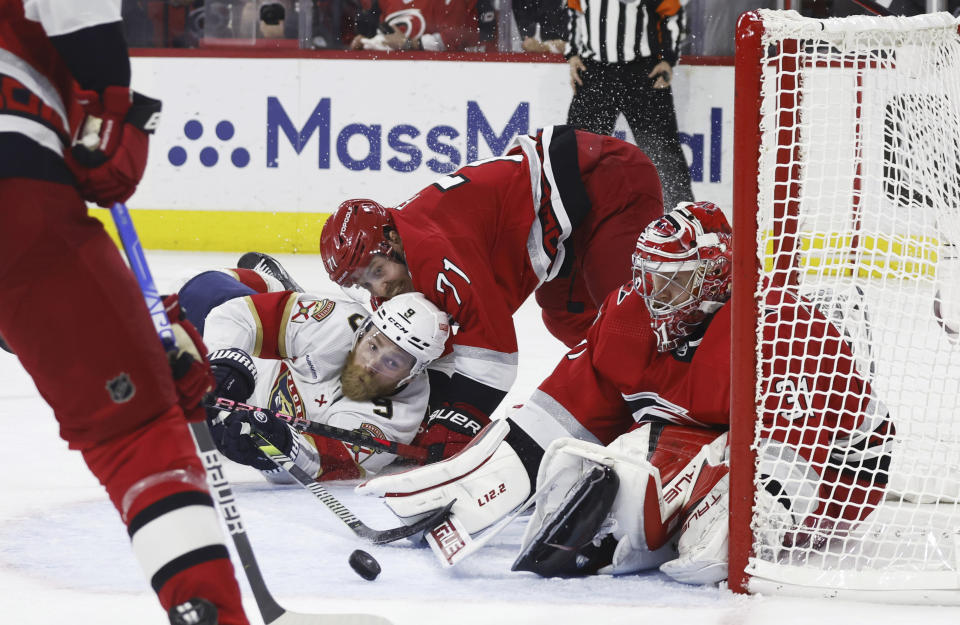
(72, 130)
(432, 25)
(557, 215)
(634, 420)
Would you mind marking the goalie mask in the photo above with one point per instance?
(681, 268)
(398, 340)
(352, 236)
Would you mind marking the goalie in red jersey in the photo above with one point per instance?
(634, 420)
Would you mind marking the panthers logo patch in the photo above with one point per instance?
(316, 310)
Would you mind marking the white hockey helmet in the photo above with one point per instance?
(412, 323)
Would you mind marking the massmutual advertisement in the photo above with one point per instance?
(255, 152)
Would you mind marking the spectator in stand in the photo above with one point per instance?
(629, 71)
(337, 22)
(268, 19)
(433, 25)
(540, 23)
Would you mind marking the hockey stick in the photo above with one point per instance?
(377, 537)
(362, 438)
(271, 612)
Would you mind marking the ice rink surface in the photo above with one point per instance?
(65, 556)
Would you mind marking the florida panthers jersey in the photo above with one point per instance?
(300, 343)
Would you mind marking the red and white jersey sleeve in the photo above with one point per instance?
(29, 61)
(447, 24)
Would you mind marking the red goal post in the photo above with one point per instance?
(847, 194)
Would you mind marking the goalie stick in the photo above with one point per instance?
(362, 438)
(377, 537)
(271, 611)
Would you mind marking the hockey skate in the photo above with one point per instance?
(264, 263)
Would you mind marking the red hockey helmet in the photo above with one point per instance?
(351, 236)
(681, 268)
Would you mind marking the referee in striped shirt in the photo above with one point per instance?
(621, 55)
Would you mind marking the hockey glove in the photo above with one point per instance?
(235, 374)
(110, 140)
(449, 429)
(242, 433)
(191, 371)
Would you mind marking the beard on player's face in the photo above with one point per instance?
(384, 277)
(360, 383)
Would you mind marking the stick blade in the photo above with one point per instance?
(298, 618)
(382, 537)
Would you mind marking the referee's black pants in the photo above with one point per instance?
(612, 88)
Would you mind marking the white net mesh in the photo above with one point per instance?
(859, 213)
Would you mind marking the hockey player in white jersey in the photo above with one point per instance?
(318, 357)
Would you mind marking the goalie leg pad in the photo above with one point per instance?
(702, 548)
(487, 479)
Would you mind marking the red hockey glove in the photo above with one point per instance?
(109, 149)
(449, 429)
(191, 370)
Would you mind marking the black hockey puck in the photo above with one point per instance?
(364, 564)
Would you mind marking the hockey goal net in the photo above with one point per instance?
(847, 193)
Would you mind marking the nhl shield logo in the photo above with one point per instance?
(121, 389)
